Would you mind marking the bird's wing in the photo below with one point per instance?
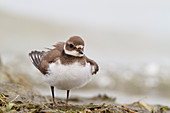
(51, 56)
(35, 57)
(95, 67)
(42, 59)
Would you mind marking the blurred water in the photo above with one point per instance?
(134, 63)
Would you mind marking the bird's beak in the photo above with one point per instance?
(80, 51)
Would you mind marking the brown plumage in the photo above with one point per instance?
(67, 53)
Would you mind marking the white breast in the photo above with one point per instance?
(67, 77)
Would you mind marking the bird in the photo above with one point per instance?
(66, 66)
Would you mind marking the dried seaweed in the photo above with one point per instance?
(7, 104)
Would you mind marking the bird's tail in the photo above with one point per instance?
(35, 57)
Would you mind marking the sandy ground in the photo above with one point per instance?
(17, 98)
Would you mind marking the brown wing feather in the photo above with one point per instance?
(51, 56)
(42, 59)
(92, 62)
(35, 57)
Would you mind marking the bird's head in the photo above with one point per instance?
(74, 46)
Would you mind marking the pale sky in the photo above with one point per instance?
(147, 15)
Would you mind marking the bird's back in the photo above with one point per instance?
(41, 59)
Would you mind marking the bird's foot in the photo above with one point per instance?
(55, 104)
(66, 104)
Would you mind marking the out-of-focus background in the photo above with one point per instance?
(128, 39)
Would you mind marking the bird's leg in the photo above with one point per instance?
(68, 91)
(52, 91)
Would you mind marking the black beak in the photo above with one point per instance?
(80, 51)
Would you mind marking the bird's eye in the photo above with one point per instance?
(71, 45)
